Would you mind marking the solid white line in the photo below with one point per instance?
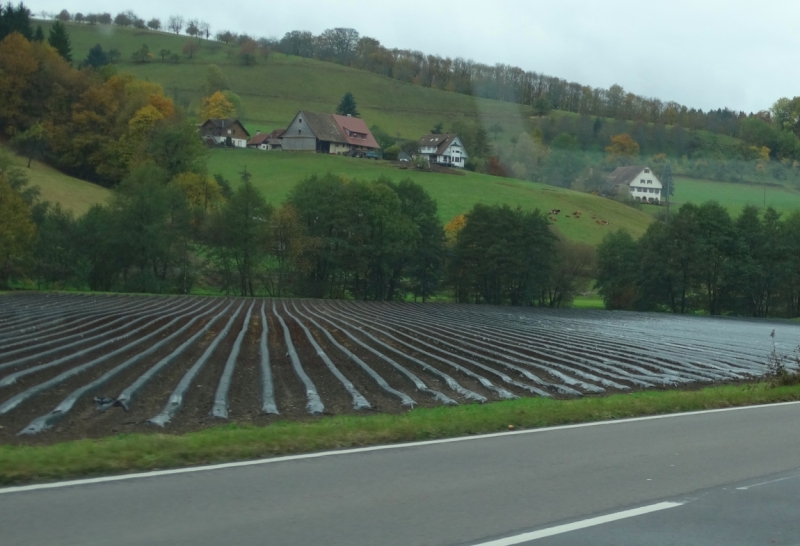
(157, 473)
(569, 527)
(767, 483)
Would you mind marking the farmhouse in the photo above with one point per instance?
(328, 134)
(267, 141)
(447, 150)
(639, 181)
(229, 132)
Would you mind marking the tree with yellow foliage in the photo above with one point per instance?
(622, 147)
(453, 227)
(200, 190)
(217, 106)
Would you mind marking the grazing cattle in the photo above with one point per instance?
(555, 211)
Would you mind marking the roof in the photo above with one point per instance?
(351, 127)
(625, 175)
(442, 142)
(219, 125)
(323, 126)
(258, 140)
(261, 138)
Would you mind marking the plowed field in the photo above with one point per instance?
(75, 366)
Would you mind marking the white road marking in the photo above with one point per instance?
(767, 483)
(222, 466)
(569, 527)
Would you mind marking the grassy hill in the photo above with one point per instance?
(73, 194)
(275, 173)
(273, 90)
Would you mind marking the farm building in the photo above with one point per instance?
(229, 132)
(446, 150)
(328, 134)
(639, 181)
(267, 141)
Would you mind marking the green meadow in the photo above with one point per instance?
(275, 173)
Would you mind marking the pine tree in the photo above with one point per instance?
(59, 39)
(38, 36)
(667, 185)
(348, 106)
(96, 57)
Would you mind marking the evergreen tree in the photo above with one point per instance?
(96, 57)
(15, 20)
(668, 185)
(59, 39)
(437, 129)
(348, 106)
(38, 36)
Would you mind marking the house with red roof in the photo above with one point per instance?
(328, 134)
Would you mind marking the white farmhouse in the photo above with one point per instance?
(446, 150)
(639, 181)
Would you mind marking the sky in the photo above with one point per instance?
(701, 53)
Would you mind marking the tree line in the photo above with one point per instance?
(704, 260)
(332, 238)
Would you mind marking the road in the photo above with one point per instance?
(477, 491)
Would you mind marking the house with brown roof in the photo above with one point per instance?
(267, 141)
(446, 150)
(228, 132)
(328, 134)
(639, 181)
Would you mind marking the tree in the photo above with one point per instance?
(164, 53)
(96, 57)
(572, 272)
(139, 23)
(347, 106)
(217, 106)
(175, 23)
(32, 142)
(190, 48)
(59, 39)
(542, 105)
(38, 36)
(192, 28)
(622, 148)
(17, 233)
(668, 185)
(215, 81)
(142, 55)
(205, 30)
(200, 190)
(239, 235)
(64, 16)
(225, 36)
(247, 51)
(438, 129)
(104, 18)
(15, 19)
(173, 145)
(79, 17)
(154, 24)
(123, 19)
(617, 270)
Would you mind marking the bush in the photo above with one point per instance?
(392, 152)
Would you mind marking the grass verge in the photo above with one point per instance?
(142, 452)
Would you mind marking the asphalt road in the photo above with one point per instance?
(467, 492)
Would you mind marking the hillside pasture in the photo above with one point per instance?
(276, 173)
(274, 89)
(735, 196)
(71, 193)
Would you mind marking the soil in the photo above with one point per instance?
(492, 332)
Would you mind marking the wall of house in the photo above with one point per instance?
(645, 187)
(337, 148)
(300, 143)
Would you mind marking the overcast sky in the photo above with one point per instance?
(701, 53)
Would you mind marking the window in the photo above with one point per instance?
(300, 120)
(643, 181)
(229, 131)
(649, 181)
(647, 170)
